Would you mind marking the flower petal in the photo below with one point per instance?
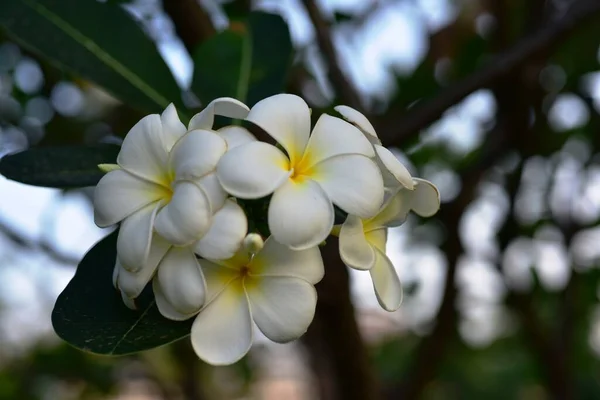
(145, 150)
(196, 154)
(360, 121)
(224, 106)
(252, 170)
(187, 216)
(332, 137)
(135, 234)
(213, 189)
(355, 250)
(300, 214)
(236, 136)
(377, 238)
(132, 284)
(286, 118)
(394, 172)
(164, 307)
(119, 194)
(181, 281)
(426, 198)
(352, 182)
(225, 236)
(217, 277)
(386, 283)
(282, 307)
(222, 332)
(393, 212)
(276, 259)
(172, 126)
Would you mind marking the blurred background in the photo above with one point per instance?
(495, 101)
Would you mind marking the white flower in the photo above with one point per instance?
(395, 174)
(273, 289)
(332, 165)
(362, 241)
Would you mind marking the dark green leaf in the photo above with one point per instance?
(248, 62)
(90, 315)
(99, 42)
(60, 167)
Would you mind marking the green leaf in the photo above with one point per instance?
(248, 62)
(60, 167)
(89, 314)
(99, 42)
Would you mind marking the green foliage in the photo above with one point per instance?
(60, 167)
(90, 314)
(248, 62)
(99, 42)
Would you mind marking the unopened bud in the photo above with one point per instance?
(253, 243)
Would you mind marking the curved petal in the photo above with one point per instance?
(282, 307)
(360, 121)
(132, 283)
(355, 250)
(286, 118)
(164, 306)
(394, 172)
(145, 150)
(377, 238)
(196, 154)
(236, 136)
(225, 236)
(253, 170)
(217, 277)
(393, 212)
(129, 303)
(426, 198)
(213, 189)
(172, 126)
(187, 216)
(224, 106)
(222, 332)
(352, 182)
(119, 194)
(135, 234)
(333, 137)
(300, 214)
(386, 283)
(276, 259)
(181, 281)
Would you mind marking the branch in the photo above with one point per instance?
(395, 131)
(341, 84)
(192, 23)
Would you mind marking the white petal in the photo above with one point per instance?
(333, 137)
(355, 250)
(224, 106)
(145, 150)
(352, 182)
(196, 154)
(252, 170)
(225, 236)
(135, 234)
(276, 259)
(217, 277)
(300, 214)
(132, 284)
(213, 189)
(129, 303)
(163, 305)
(394, 172)
(377, 238)
(360, 121)
(286, 118)
(187, 216)
(426, 198)
(172, 126)
(386, 283)
(236, 136)
(393, 212)
(119, 194)
(222, 332)
(181, 281)
(282, 307)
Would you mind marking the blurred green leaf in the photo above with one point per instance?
(99, 42)
(248, 62)
(90, 314)
(60, 167)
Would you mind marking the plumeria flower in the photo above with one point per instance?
(272, 288)
(330, 165)
(362, 241)
(395, 174)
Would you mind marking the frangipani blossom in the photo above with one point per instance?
(395, 174)
(362, 241)
(331, 165)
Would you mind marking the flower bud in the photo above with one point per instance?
(253, 243)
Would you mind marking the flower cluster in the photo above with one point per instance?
(181, 195)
